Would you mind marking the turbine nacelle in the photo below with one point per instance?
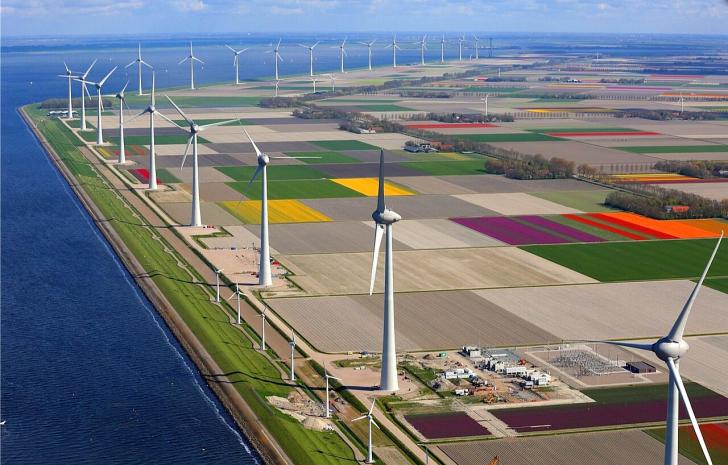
(263, 160)
(665, 348)
(385, 217)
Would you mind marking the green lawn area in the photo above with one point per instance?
(582, 129)
(638, 260)
(675, 148)
(159, 139)
(382, 107)
(76, 124)
(296, 189)
(586, 201)
(275, 173)
(689, 446)
(167, 177)
(248, 370)
(638, 393)
(202, 122)
(344, 145)
(183, 101)
(719, 284)
(508, 137)
(324, 157)
(447, 168)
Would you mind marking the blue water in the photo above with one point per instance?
(90, 374)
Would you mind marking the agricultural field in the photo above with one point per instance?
(613, 407)
(634, 446)
(714, 434)
(446, 425)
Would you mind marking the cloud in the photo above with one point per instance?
(189, 5)
(280, 10)
(64, 7)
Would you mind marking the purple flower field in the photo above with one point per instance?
(527, 229)
(446, 425)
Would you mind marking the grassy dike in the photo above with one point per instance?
(241, 366)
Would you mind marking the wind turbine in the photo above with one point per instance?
(310, 54)
(670, 349)
(71, 77)
(193, 130)
(139, 63)
(262, 332)
(264, 276)
(84, 93)
(369, 51)
(423, 46)
(217, 284)
(485, 99)
(370, 417)
(292, 343)
(99, 104)
(192, 58)
(277, 83)
(395, 47)
(236, 61)
(313, 81)
(151, 110)
(461, 40)
(122, 102)
(327, 376)
(384, 218)
(342, 53)
(276, 56)
(237, 294)
(442, 49)
(332, 76)
(477, 40)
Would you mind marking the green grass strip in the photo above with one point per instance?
(296, 189)
(586, 201)
(344, 145)
(275, 173)
(323, 157)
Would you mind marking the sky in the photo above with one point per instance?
(112, 17)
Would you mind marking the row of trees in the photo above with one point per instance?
(664, 115)
(530, 167)
(702, 169)
(657, 202)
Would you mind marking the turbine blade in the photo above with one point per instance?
(124, 88)
(633, 345)
(257, 150)
(375, 423)
(147, 64)
(88, 70)
(359, 418)
(676, 333)
(197, 59)
(152, 97)
(101, 83)
(255, 175)
(167, 119)
(378, 234)
(231, 49)
(189, 142)
(130, 64)
(218, 123)
(183, 60)
(380, 192)
(189, 121)
(686, 401)
(371, 409)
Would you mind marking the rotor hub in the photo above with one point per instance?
(263, 160)
(194, 128)
(666, 348)
(386, 217)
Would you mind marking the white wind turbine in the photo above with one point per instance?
(276, 57)
(71, 77)
(151, 110)
(327, 376)
(237, 294)
(461, 40)
(342, 53)
(314, 81)
(122, 103)
(262, 331)
(217, 284)
(485, 99)
(99, 104)
(442, 49)
(332, 76)
(278, 81)
(139, 63)
(370, 417)
(193, 130)
(477, 47)
(395, 47)
(236, 61)
(384, 218)
(670, 349)
(423, 46)
(192, 59)
(264, 275)
(369, 51)
(84, 93)
(310, 54)
(292, 343)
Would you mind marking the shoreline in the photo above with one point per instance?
(245, 419)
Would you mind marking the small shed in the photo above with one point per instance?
(640, 367)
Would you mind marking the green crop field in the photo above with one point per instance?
(447, 168)
(202, 122)
(586, 201)
(638, 260)
(689, 446)
(382, 107)
(638, 393)
(275, 173)
(344, 145)
(159, 139)
(508, 137)
(76, 124)
(165, 176)
(675, 149)
(184, 101)
(296, 189)
(252, 374)
(324, 157)
(719, 284)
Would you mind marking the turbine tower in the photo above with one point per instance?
(139, 63)
(670, 349)
(71, 77)
(370, 417)
(477, 41)
(84, 93)
(292, 343)
(310, 55)
(384, 218)
(461, 40)
(122, 102)
(277, 57)
(151, 110)
(442, 49)
(332, 76)
(99, 104)
(193, 130)
(262, 332)
(264, 275)
(236, 62)
(192, 59)
(237, 294)
(327, 376)
(369, 51)
(395, 47)
(423, 46)
(342, 53)
(217, 284)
